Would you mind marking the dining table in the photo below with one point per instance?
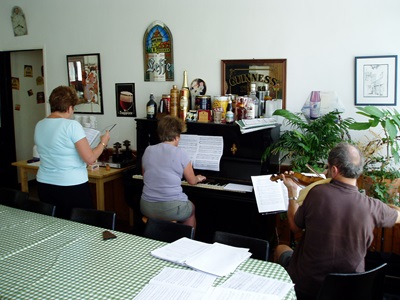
(44, 257)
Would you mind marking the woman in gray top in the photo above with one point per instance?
(163, 166)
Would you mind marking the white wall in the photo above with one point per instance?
(319, 39)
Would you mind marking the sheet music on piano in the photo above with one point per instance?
(204, 151)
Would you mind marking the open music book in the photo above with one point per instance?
(204, 151)
(216, 259)
(271, 196)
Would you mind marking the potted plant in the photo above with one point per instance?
(381, 177)
(305, 142)
(308, 142)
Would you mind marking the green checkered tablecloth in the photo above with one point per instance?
(43, 257)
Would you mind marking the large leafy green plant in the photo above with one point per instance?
(389, 120)
(308, 142)
(381, 151)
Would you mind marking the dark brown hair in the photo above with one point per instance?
(61, 98)
(169, 128)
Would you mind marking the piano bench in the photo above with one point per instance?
(145, 219)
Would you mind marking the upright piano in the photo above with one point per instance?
(217, 209)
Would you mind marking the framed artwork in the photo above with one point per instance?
(376, 80)
(84, 75)
(268, 74)
(158, 53)
(125, 99)
(28, 71)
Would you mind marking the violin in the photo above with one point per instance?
(300, 179)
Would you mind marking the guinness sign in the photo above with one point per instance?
(237, 75)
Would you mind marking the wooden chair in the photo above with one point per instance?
(258, 247)
(100, 218)
(167, 231)
(366, 285)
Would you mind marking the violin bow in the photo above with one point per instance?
(314, 171)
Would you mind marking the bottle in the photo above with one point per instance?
(229, 117)
(174, 104)
(315, 105)
(162, 109)
(151, 108)
(184, 105)
(185, 89)
(260, 95)
(268, 105)
(256, 102)
(250, 109)
(240, 109)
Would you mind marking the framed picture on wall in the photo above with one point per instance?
(84, 75)
(125, 99)
(376, 80)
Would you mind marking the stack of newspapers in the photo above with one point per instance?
(250, 125)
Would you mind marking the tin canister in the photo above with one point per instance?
(221, 102)
(203, 102)
(167, 100)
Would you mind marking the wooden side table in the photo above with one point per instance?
(99, 177)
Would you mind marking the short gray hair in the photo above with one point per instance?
(348, 159)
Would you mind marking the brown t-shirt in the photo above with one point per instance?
(339, 223)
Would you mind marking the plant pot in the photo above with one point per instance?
(392, 187)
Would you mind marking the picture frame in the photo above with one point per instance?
(125, 99)
(84, 76)
(376, 80)
(238, 74)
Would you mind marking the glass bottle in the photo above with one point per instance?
(185, 89)
(260, 95)
(229, 117)
(151, 108)
(315, 105)
(240, 108)
(250, 107)
(268, 104)
(184, 105)
(255, 100)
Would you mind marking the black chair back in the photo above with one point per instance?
(258, 247)
(12, 197)
(100, 218)
(366, 285)
(38, 207)
(167, 231)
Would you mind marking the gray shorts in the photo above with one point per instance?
(284, 259)
(167, 210)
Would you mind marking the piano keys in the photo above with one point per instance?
(201, 185)
(216, 208)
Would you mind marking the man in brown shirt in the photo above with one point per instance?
(338, 223)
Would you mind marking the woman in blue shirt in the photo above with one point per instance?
(64, 154)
